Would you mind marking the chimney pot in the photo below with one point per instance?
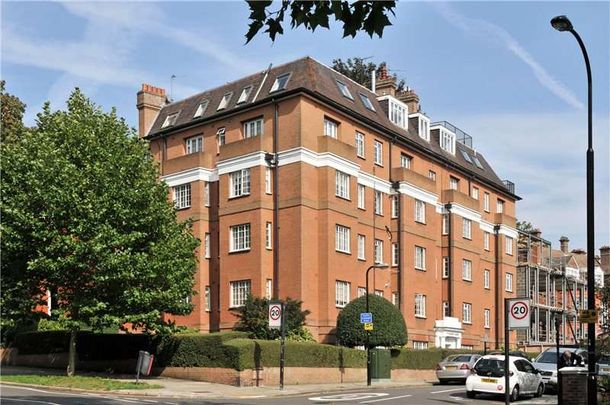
(150, 100)
(563, 244)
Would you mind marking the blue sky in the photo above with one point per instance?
(497, 70)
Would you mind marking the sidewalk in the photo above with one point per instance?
(195, 389)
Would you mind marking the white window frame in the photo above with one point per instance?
(394, 205)
(486, 240)
(239, 291)
(500, 206)
(208, 245)
(420, 211)
(206, 194)
(268, 235)
(201, 108)
(268, 180)
(361, 247)
(269, 288)
(254, 128)
(239, 183)
(466, 228)
(220, 136)
(454, 183)
(361, 196)
(280, 82)
(446, 308)
(445, 224)
(378, 153)
(245, 93)
(226, 98)
(508, 244)
(208, 298)
(194, 144)
(432, 175)
(395, 251)
(445, 269)
(378, 202)
(486, 201)
(397, 113)
(182, 196)
(342, 293)
(420, 345)
(342, 184)
(361, 292)
(240, 238)
(475, 192)
(486, 318)
(467, 313)
(420, 306)
(378, 251)
(424, 128)
(378, 293)
(405, 161)
(360, 149)
(508, 282)
(342, 239)
(395, 298)
(466, 270)
(331, 128)
(420, 258)
(486, 279)
(447, 141)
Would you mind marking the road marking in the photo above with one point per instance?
(149, 400)
(349, 397)
(385, 399)
(454, 389)
(31, 401)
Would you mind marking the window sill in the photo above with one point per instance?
(487, 327)
(344, 252)
(420, 222)
(239, 196)
(340, 306)
(239, 251)
(362, 259)
(379, 164)
(467, 238)
(360, 157)
(467, 323)
(467, 279)
(421, 316)
(420, 269)
(343, 198)
(362, 208)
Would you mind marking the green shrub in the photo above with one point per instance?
(254, 318)
(389, 325)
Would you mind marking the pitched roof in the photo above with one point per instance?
(307, 74)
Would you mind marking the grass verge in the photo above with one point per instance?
(82, 382)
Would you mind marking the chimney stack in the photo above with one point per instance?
(150, 100)
(563, 244)
(386, 84)
(411, 99)
(604, 255)
(537, 233)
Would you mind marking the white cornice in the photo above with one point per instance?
(418, 193)
(508, 231)
(465, 212)
(188, 176)
(241, 162)
(486, 226)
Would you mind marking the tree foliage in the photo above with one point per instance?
(254, 318)
(12, 110)
(359, 70)
(389, 325)
(368, 16)
(84, 216)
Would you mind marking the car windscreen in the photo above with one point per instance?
(490, 367)
(547, 357)
(463, 358)
(604, 359)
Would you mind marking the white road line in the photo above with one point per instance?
(385, 399)
(455, 389)
(149, 400)
(31, 401)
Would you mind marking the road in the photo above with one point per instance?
(12, 395)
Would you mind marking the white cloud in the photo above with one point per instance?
(499, 36)
(547, 164)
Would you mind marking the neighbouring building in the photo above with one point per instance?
(298, 179)
(556, 283)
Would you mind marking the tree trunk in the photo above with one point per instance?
(72, 352)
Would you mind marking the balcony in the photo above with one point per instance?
(504, 219)
(336, 147)
(186, 162)
(246, 146)
(409, 176)
(454, 196)
(510, 186)
(461, 136)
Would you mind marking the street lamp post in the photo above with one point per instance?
(368, 346)
(562, 23)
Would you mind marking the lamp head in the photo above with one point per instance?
(562, 23)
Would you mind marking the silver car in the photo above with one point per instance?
(456, 367)
(546, 362)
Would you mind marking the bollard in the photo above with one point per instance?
(572, 386)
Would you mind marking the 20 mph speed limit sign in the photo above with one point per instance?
(275, 315)
(518, 313)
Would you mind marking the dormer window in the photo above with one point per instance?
(424, 128)
(447, 141)
(344, 90)
(245, 93)
(201, 108)
(366, 101)
(225, 101)
(170, 120)
(280, 82)
(398, 113)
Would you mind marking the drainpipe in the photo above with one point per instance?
(450, 261)
(497, 285)
(276, 208)
(396, 187)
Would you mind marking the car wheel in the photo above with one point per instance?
(514, 395)
(471, 394)
(539, 391)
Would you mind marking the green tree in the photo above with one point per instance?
(368, 16)
(360, 71)
(389, 325)
(85, 216)
(12, 110)
(254, 318)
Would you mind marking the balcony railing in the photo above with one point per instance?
(461, 136)
(509, 185)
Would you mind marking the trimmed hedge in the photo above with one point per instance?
(266, 353)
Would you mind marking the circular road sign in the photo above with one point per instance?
(275, 312)
(519, 310)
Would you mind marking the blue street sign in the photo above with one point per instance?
(366, 317)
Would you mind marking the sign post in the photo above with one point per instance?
(516, 316)
(277, 321)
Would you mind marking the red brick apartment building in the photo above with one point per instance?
(298, 179)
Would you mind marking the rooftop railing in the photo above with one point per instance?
(461, 136)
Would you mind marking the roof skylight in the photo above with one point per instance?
(344, 90)
(201, 108)
(280, 82)
(170, 120)
(245, 93)
(225, 101)
(466, 157)
(367, 103)
(477, 162)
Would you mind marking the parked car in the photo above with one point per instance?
(455, 367)
(603, 365)
(487, 376)
(546, 362)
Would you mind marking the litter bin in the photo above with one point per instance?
(572, 386)
(145, 363)
(381, 365)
